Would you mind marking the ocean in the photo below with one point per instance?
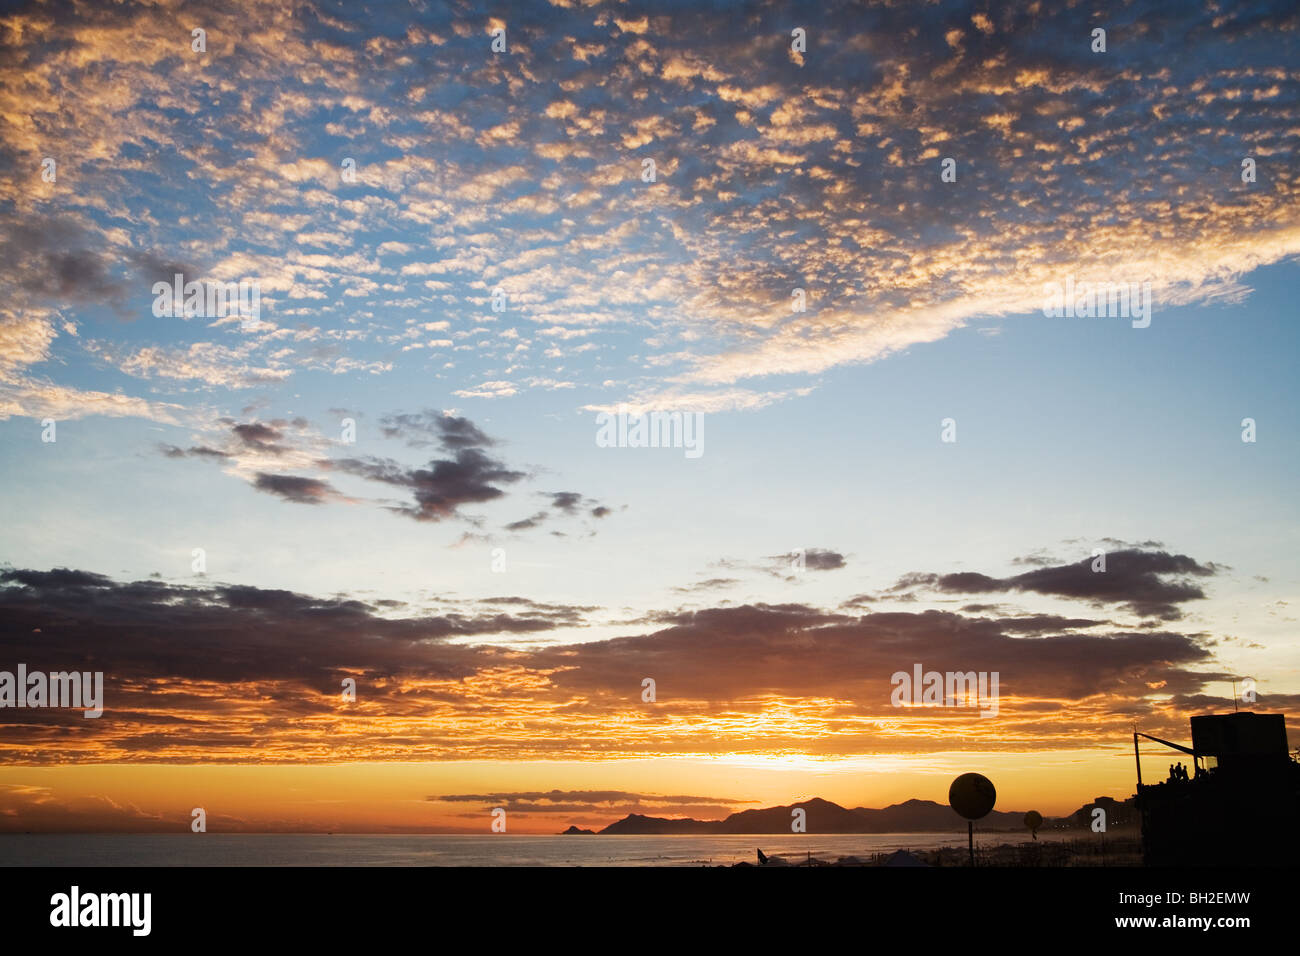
(226, 849)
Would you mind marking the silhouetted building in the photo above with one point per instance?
(1119, 813)
(1239, 742)
(1241, 805)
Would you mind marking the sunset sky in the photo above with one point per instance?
(391, 481)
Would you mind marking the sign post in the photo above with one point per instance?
(972, 796)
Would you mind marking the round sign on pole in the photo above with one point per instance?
(972, 795)
(1033, 820)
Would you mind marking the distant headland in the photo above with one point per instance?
(823, 816)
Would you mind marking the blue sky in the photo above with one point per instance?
(1067, 428)
(776, 169)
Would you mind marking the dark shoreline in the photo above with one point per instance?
(1122, 850)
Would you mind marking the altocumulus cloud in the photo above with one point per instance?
(771, 170)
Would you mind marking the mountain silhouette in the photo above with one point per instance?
(637, 823)
(823, 816)
(920, 815)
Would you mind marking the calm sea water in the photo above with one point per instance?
(224, 849)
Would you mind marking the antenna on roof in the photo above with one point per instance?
(1234, 696)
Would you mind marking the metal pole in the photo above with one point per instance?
(1137, 759)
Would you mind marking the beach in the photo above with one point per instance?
(425, 850)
